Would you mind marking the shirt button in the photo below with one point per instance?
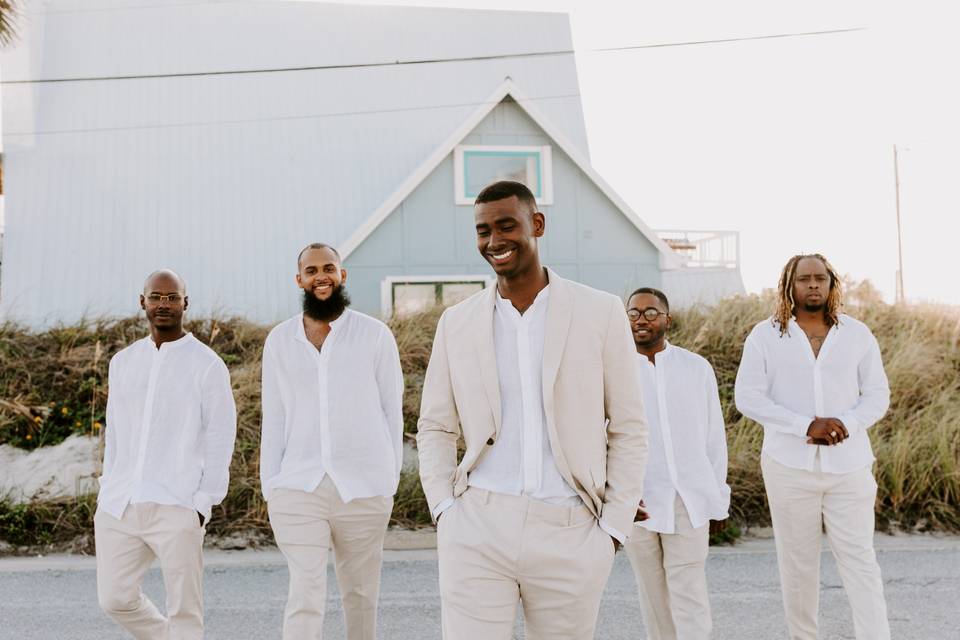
(490, 441)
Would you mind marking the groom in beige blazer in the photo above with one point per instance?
(539, 377)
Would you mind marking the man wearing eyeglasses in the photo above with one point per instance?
(171, 423)
(685, 484)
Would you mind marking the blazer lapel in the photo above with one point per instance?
(559, 313)
(486, 353)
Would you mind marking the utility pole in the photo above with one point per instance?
(900, 296)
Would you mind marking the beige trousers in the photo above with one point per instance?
(671, 578)
(305, 525)
(496, 550)
(803, 504)
(125, 550)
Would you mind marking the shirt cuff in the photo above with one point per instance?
(613, 532)
(849, 422)
(203, 504)
(802, 424)
(443, 506)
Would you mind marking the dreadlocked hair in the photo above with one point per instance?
(785, 303)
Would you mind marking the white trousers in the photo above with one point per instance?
(671, 578)
(125, 550)
(305, 525)
(803, 504)
(498, 550)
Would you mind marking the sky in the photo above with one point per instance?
(788, 140)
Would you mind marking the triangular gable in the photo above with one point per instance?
(668, 258)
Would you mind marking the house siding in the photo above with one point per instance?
(587, 239)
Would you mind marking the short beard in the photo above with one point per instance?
(652, 340)
(326, 310)
(813, 308)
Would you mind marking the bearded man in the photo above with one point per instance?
(813, 377)
(331, 447)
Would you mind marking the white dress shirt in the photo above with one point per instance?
(521, 461)
(782, 386)
(688, 445)
(337, 410)
(171, 424)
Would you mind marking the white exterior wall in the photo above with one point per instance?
(224, 178)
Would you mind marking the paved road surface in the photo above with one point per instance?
(55, 597)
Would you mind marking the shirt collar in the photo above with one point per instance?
(505, 306)
(660, 355)
(301, 332)
(186, 338)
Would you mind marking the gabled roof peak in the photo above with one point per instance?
(506, 91)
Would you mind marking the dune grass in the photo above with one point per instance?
(53, 384)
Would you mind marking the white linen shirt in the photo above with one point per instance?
(688, 445)
(781, 385)
(171, 425)
(337, 410)
(521, 461)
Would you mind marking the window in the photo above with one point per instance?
(477, 166)
(407, 295)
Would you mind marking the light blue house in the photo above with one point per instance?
(135, 137)
(419, 247)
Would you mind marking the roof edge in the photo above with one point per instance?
(668, 258)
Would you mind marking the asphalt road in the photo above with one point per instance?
(55, 597)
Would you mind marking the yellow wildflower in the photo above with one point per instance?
(64, 411)
(97, 425)
(38, 419)
(29, 437)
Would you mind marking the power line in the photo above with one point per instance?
(315, 116)
(423, 61)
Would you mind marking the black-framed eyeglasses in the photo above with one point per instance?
(650, 313)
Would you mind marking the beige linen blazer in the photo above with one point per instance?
(591, 397)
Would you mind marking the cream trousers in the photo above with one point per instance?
(671, 578)
(803, 504)
(305, 526)
(498, 550)
(125, 550)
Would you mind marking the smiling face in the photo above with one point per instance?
(507, 232)
(647, 334)
(320, 273)
(811, 285)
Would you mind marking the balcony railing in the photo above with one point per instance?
(704, 249)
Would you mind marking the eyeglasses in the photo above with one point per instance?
(156, 298)
(650, 313)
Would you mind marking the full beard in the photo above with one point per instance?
(326, 310)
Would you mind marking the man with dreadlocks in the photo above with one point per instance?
(813, 377)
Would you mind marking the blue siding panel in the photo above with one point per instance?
(587, 237)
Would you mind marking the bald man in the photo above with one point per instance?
(171, 423)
